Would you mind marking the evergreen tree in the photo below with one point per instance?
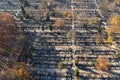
(51, 27)
(47, 17)
(23, 11)
(42, 28)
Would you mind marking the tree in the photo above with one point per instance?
(22, 73)
(32, 49)
(53, 13)
(23, 11)
(60, 65)
(101, 63)
(8, 2)
(76, 61)
(85, 26)
(59, 22)
(42, 28)
(69, 35)
(28, 55)
(115, 20)
(114, 24)
(99, 29)
(11, 44)
(51, 27)
(21, 18)
(117, 55)
(8, 28)
(110, 39)
(27, 16)
(76, 72)
(69, 15)
(99, 37)
(47, 17)
(113, 27)
(78, 79)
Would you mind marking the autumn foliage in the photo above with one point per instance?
(69, 15)
(7, 28)
(113, 27)
(114, 24)
(22, 73)
(101, 63)
(59, 22)
(110, 39)
(11, 43)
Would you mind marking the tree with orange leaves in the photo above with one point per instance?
(59, 22)
(101, 63)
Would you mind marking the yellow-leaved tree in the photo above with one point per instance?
(22, 73)
(113, 26)
(110, 39)
(101, 63)
(69, 15)
(114, 23)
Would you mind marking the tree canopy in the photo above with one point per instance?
(114, 24)
(101, 63)
(59, 22)
(11, 44)
(7, 28)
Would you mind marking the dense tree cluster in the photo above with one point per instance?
(11, 43)
(7, 28)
